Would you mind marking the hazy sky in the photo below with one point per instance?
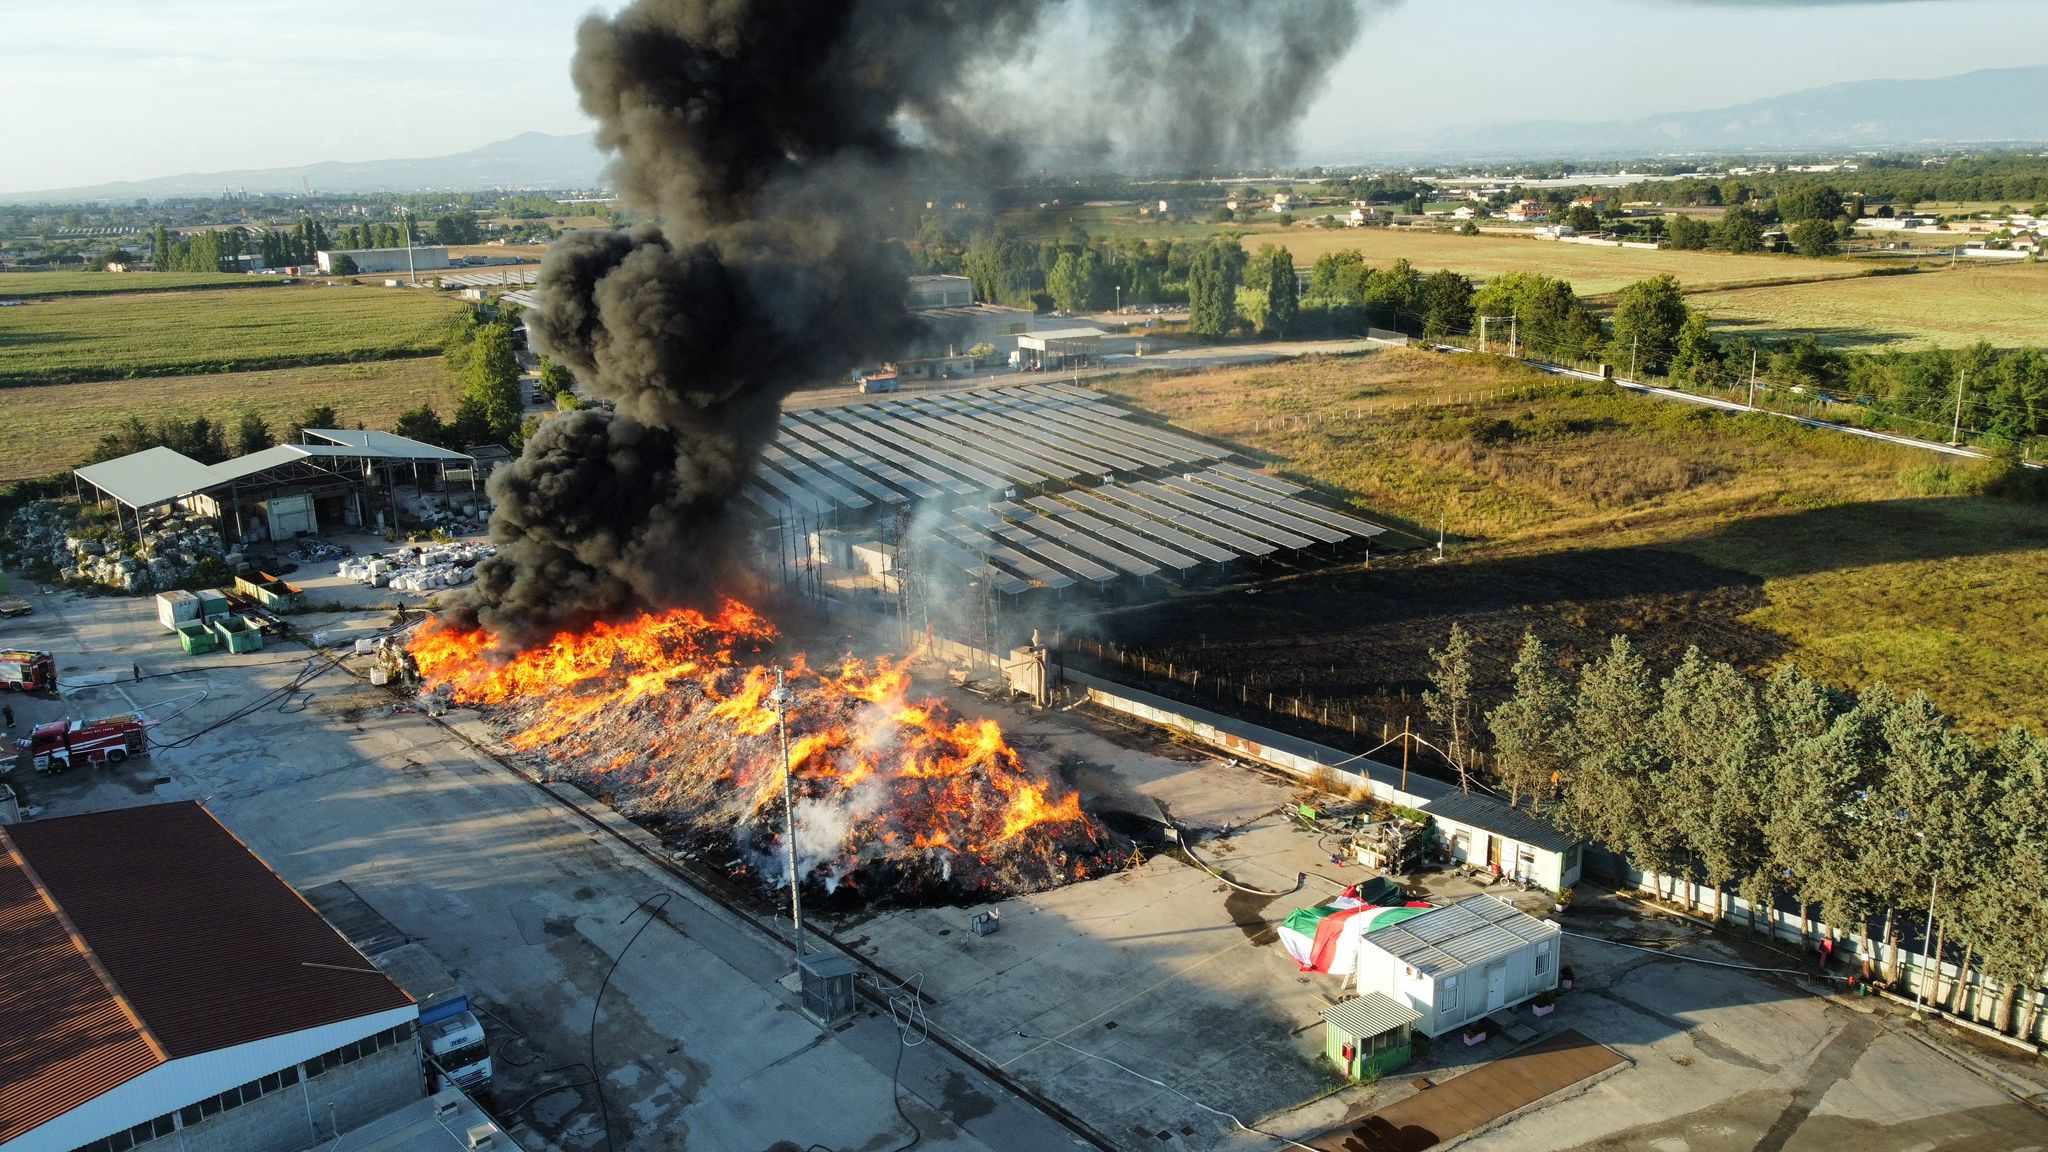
(98, 90)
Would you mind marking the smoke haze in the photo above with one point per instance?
(770, 141)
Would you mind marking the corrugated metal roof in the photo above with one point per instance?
(272, 457)
(1474, 931)
(208, 946)
(374, 443)
(64, 1035)
(151, 476)
(1497, 816)
(1369, 1015)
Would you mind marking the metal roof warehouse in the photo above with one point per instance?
(163, 982)
(329, 461)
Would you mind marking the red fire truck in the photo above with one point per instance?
(22, 670)
(59, 744)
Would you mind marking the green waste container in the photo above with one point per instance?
(197, 638)
(239, 633)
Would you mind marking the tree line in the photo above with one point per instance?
(220, 249)
(1894, 181)
(207, 440)
(1999, 394)
(1861, 810)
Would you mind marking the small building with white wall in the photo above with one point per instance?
(1507, 839)
(940, 292)
(1058, 347)
(376, 261)
(1456, 964)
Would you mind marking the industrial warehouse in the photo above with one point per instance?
(336, 476)
(167, 990)
(1031, 489)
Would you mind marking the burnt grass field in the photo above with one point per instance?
(1579, 512)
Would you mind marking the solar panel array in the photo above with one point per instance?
(1109, 497)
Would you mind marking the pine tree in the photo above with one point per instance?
(1925, 815)
(1712, 730)
(1283, 304)
(252, 434)
(1611, 794)
(1529, 727)
(1449, 699)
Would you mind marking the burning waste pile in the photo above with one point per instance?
(896, 796)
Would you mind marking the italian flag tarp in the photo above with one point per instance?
(1324, 938)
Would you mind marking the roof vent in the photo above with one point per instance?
(480, 1137)
(444, 1109)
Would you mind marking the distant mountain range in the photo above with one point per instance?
(1993, 106)
(528, 160)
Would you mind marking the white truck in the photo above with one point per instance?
(452, 1039)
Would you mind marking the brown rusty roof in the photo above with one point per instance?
(176, 921)
(65, 1036)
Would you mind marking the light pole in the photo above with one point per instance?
(405, 222)
(1119, 299)
(780, 698)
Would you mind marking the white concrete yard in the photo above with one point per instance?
(1162, 968)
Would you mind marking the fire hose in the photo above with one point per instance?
(1187, 850)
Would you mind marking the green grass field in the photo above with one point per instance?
(1582, 510)
(52, 427)
(181, 333)
(2005, 305)
(20, 285)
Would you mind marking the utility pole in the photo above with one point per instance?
(780, 698)
(1752, 379)
(1955, 435)
(1514, 336)
(1482, 333)
(405, 222)
(1926, 943)
(1404, 753)
(1632, 342)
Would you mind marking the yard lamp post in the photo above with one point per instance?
(405, 222)
(780, 699)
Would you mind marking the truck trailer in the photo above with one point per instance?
(453, 1045)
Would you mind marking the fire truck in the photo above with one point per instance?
(59, 744)
(22, 670)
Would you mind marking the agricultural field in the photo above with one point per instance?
(52, 427)
(29, 285)
(1578, 510)
(1946, 308)
(1593, 271)
(180, 333)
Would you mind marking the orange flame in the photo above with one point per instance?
(928, 780)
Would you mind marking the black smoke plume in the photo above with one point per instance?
(768, 139)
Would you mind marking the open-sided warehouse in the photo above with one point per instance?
(331, 479)
(1455, 964)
